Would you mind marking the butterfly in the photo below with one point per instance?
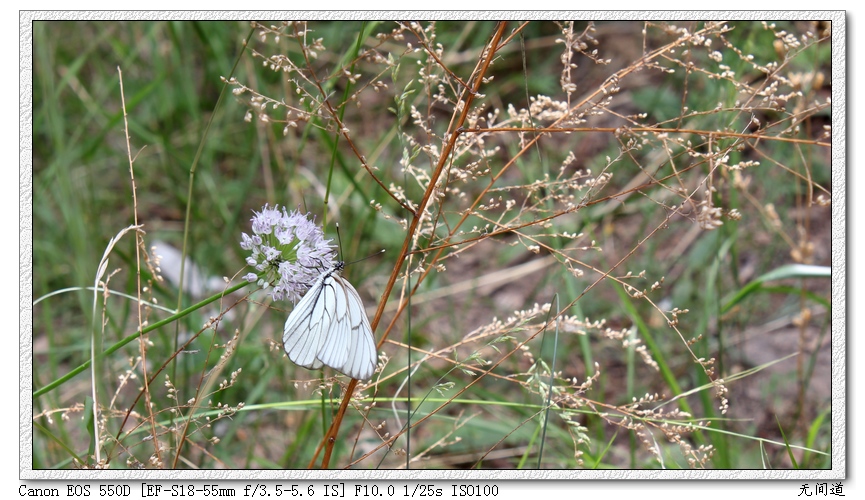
(329, 327)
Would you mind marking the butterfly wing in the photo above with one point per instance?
(307, 326)
(334, 351)
(329, 327)
(362, 355)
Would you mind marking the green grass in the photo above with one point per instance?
(749, 300)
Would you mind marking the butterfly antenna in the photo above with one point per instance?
(367, 257)
(339, 241)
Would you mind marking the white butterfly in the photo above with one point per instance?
(329, 327)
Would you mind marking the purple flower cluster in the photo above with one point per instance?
(288, 252)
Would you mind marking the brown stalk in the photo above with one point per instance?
(552, 321)
(617, 77)
(329, 438)
(139, 243)
(344, 132)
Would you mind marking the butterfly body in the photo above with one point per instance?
(329, 327)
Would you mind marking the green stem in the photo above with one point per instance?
(60, 381)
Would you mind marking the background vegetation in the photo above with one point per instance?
(615, 239)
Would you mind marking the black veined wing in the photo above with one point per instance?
(329, 327)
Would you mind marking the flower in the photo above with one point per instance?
(288, 252)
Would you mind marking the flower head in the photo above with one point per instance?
(288, 251)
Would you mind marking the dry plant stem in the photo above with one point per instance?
(552, 321)
(484, 373)
(514, 33)
(508, 434)
(539, 133)
(100, 282)
(603, 276)
(441, 441)
(205, 382)
(515, 229)
(342, 130)
(330, 437)
(139, 245)
(553, 129)
(764, 156)
(649, 129)
(423, 43)
(188, 217)
(441, 355)
(610, 197)
(163, 367)
(765, 82)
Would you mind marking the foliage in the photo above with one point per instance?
(653, 177)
